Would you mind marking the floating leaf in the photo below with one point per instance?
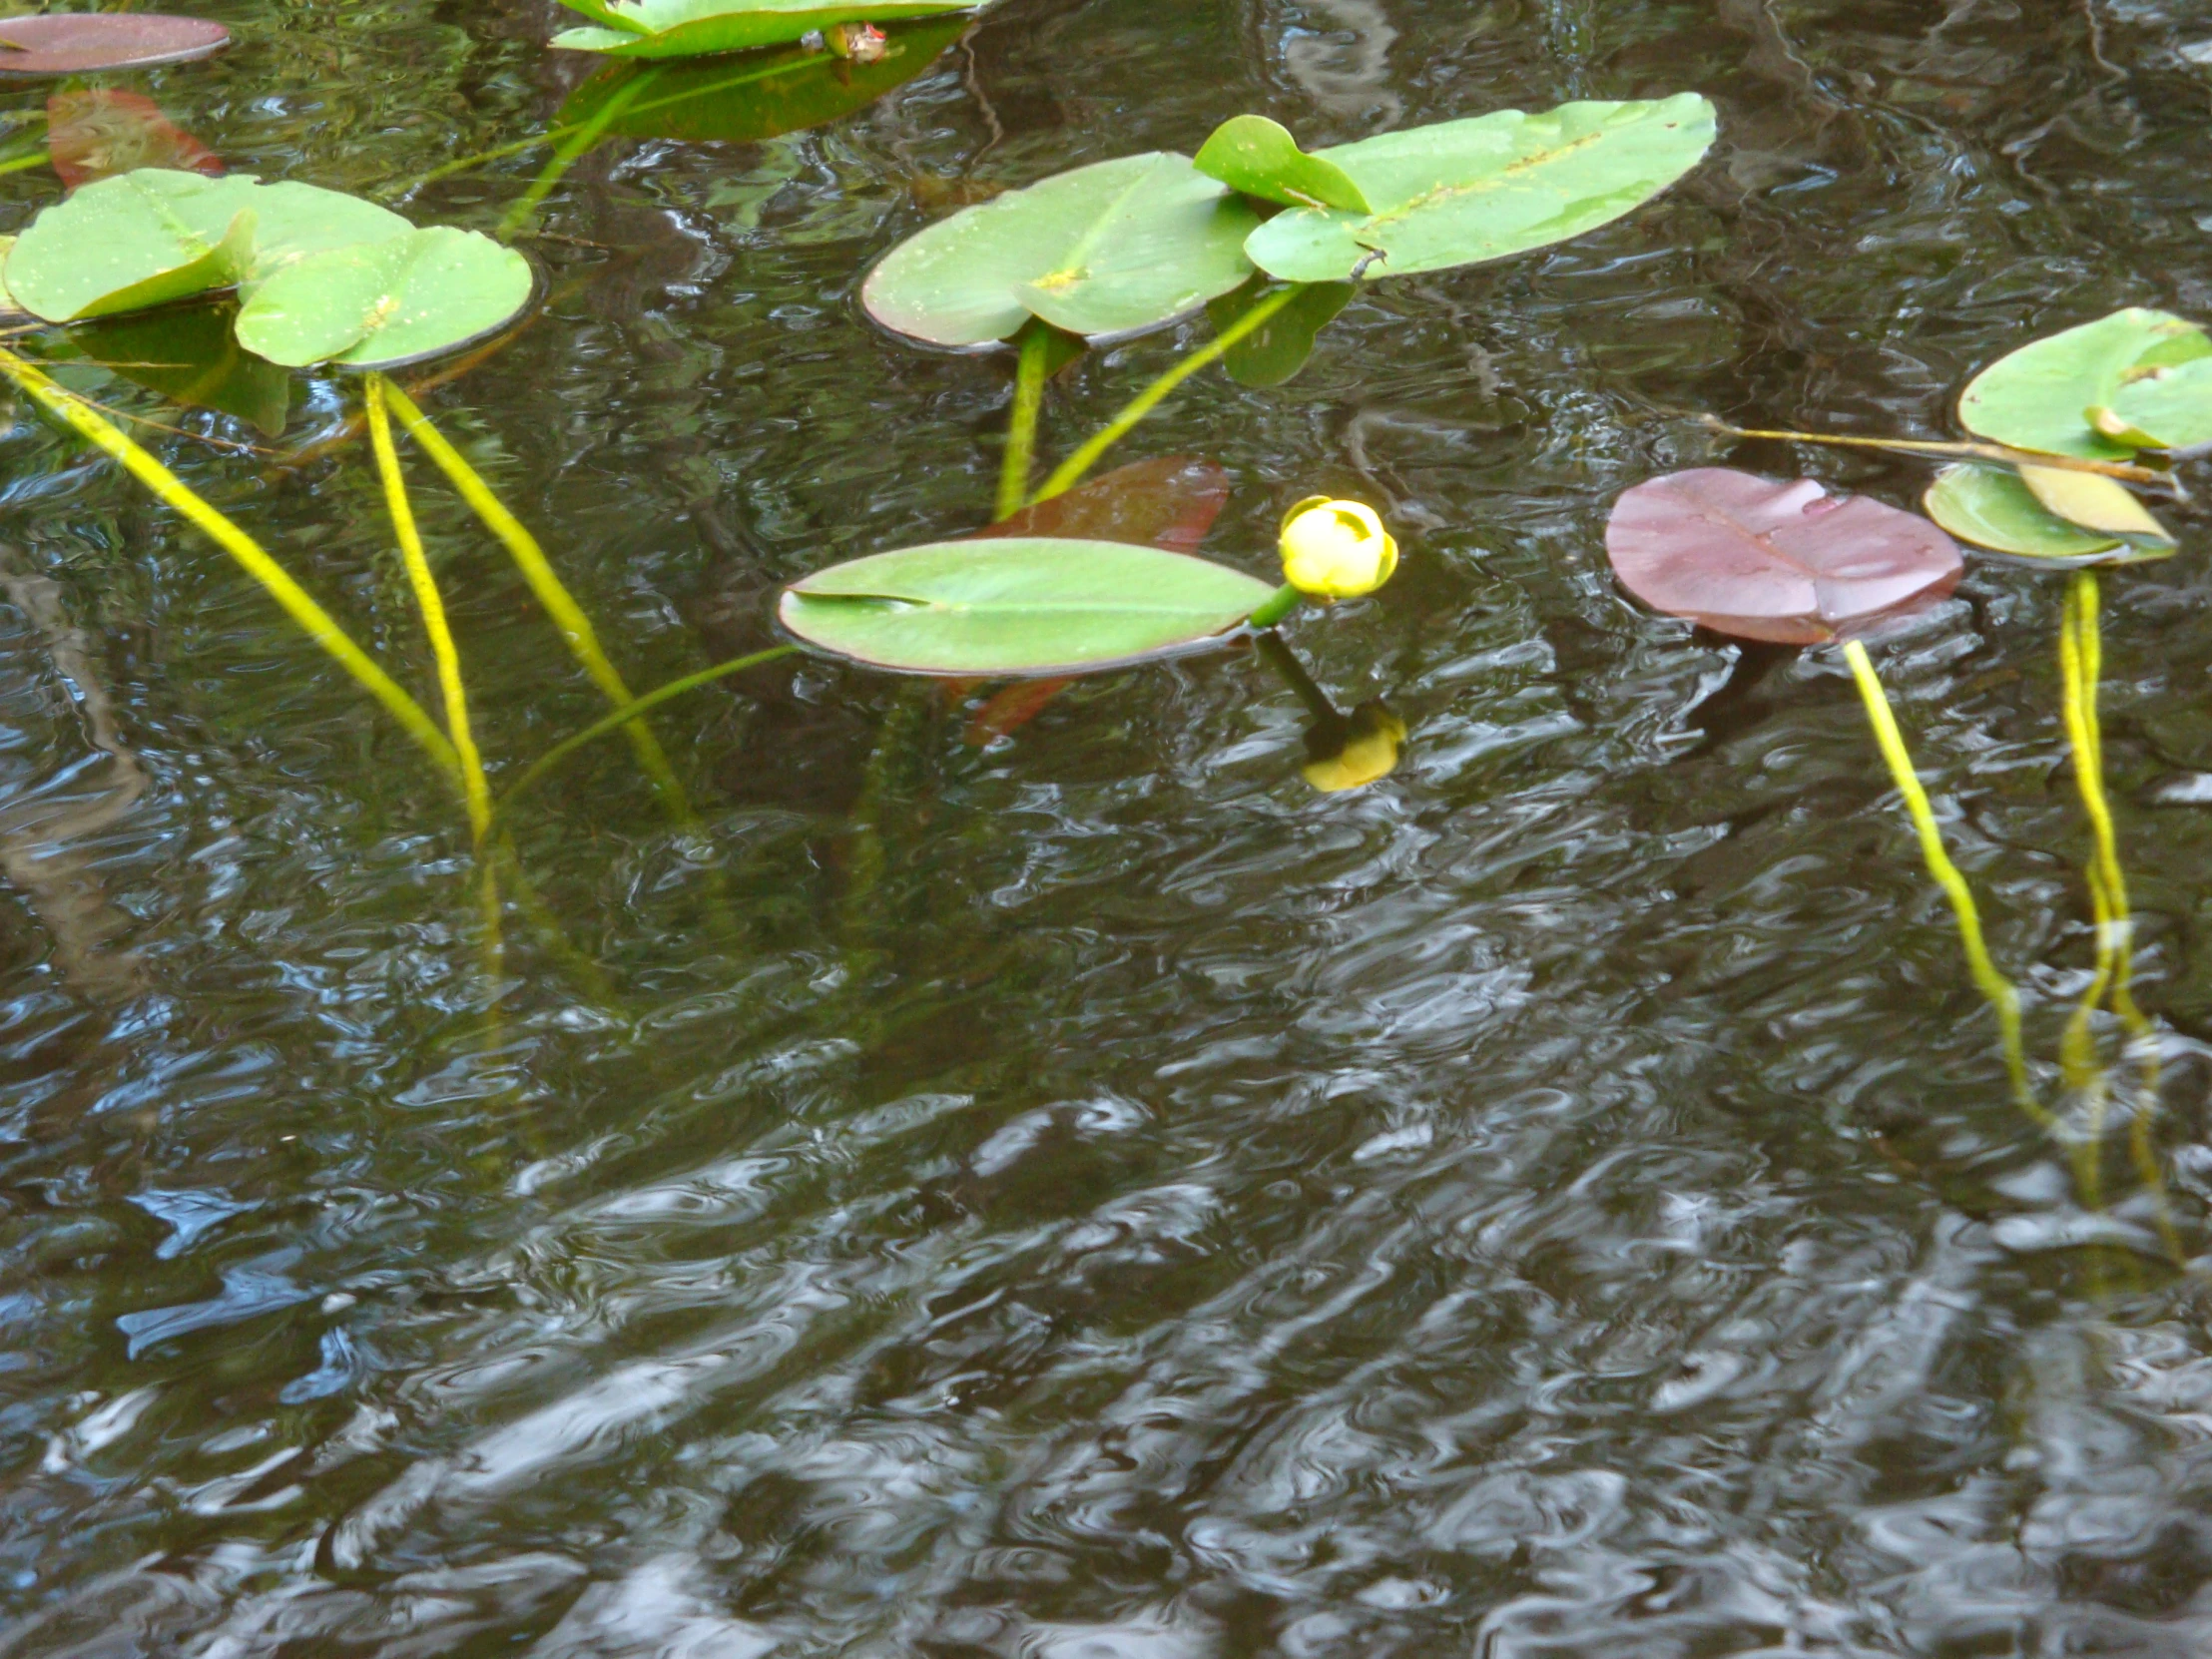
(1276, 350)
(150, 237)
(379, 304)
(760, 96)
(1460, 191)
(700, 28)
(1765, 560)
(1019, 607)
(1990, 507)
(2094, 502)
(98, 133)
(1258, 157)
(2164, 407)
(188, 355)
(1106, 249)
(1168, 502)
(84, 43)
(2039, 396)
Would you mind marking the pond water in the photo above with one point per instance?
(1087, 1195)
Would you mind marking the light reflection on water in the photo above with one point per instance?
(1099, 1196)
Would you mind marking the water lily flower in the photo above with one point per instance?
(1335, 549)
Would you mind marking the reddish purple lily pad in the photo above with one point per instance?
(1762, 559)
(83, 42)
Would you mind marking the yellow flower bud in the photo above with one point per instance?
(1335, 549)
(1368, 750)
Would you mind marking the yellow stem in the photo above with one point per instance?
(2002, 454)
(537, 571)
(475, 791)
(1993, 986)
(294, 600)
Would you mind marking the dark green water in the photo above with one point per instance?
(1091, 1197)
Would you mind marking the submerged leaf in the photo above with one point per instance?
(1765, 560)
(700, 28)
(379, 304)
(188, 355)
(2094, 502)
(1258, 157)
(1460, 191)
(762, 95)
(1990, 507)
(2039, 396)
(85, 43)
(1019, 607)
(1169, 502)
(1107, 249)
(1276, 350)
(98, 133)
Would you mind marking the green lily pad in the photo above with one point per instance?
(1258, 157)
(379, 304)
(1276, 350)
(2169, 405)
(1461, 192)
(2039, 397)
(1021, 606)
(156, 235)
(762, 95)
(701, 28)
(1990, 507)
(1112, 249)
(188, 355)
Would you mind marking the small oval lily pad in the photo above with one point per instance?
(1108, 249)
(1017, 607)
(2167, 408)
(84, 43)
(1461, 192)
(1258, 157)
(1761, 559)
(1989, 507)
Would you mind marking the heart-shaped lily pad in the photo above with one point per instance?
(1461, 192)
(85, 43)
(762, 95)
(1019, 607)
(1258, 157)
(1765, 560)
(380, 305)
(1274, 351)
(1108, 249)
(150, 237)
(1990, 507)
(700, 28)
(2039, 396)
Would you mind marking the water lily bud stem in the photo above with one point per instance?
(1275, 607)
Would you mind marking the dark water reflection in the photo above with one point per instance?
(1092, 1195)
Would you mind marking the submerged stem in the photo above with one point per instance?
(2002, 454)
(1021, 425)
(1068, 472)
(537, 571)
(1993, 986)
(577, 143)
(2081, 667)
(628, 711)
(475, 791)
(312, 619)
